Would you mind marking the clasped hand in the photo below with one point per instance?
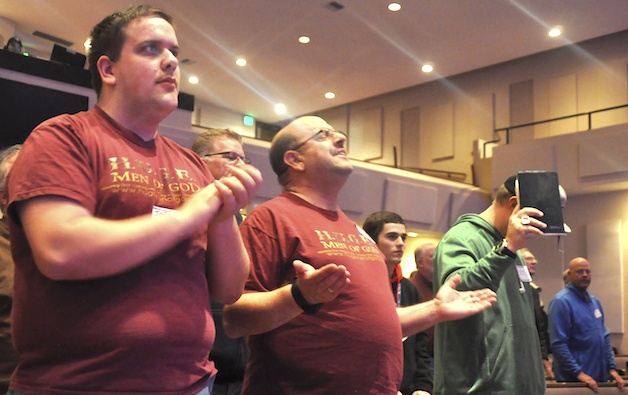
(238, 188)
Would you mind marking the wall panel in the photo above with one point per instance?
(604, 240)
(366, 133)
(439, 127)
(410, 137)
(562, 102)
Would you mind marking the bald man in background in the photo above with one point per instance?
(580, 342)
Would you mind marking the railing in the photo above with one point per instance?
(589, 114)
(444, 174)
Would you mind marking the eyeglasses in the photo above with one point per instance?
(231, 156)
(321, 135)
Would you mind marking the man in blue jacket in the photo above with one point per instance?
(579, 340)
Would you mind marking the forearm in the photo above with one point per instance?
(476, 271)
(565, 359)
(227, 261)
(260, 312)
(418, 317)
(68, 243)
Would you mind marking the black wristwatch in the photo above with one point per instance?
(308, 308)
(502, 249)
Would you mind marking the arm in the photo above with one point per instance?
(589, 381)
(560, 332)
(618, 379)
(517, 233)
(560, 323)
(478, 264)
(260, 312)
(227, 259)
(69, 243)
(448, 304)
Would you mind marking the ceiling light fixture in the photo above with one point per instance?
(304, 39)
(280, 108)
(412, 234)
(427, 68)
(193, 80)
(394, 7)
(241, 62)
(555, 31)
(330, 95)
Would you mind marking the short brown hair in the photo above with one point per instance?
(108, 36)
(374, 223)
(204, 142)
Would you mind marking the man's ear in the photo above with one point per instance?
(106, 69)
(512, 201)
(294, 160)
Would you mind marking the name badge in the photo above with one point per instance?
(524, 274)
(158, 211)
(597, 313)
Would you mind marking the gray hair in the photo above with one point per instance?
(6, 154)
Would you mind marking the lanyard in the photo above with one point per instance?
(398, 293)
(396, 280)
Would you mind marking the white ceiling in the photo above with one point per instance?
(357, 52)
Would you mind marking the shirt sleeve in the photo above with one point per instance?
(560, 332)
(455, 256)
(262, 245)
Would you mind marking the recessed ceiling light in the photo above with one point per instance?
(304, 39)
(427, 68)
(193, 80)
(280, 108)
(394, 7)
(330, 95)
(412, 234)
(555, 31)
(241, 62)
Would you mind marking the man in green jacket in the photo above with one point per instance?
(495, 352)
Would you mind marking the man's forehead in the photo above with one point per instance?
(390, 227)
(147, 27)
(310, 124)
(226, 140)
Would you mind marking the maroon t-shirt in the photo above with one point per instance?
(353, 344)
(148, 330)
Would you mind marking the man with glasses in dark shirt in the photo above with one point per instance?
(220, 148)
